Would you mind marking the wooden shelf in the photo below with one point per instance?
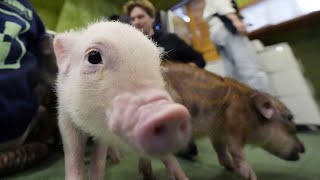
(302, 21)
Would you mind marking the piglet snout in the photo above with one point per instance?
(166, 131)
(166, 126)
(151, 121)
(295, 153)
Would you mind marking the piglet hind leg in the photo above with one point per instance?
(145, 168)
(236, 133)
(74, 146)
(174, 169)
(223, 155)
(241, 166)
(113, 155)
(98, 161)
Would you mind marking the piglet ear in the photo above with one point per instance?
(263, 104)
(62, 45)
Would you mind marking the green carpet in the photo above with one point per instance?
(205, 166)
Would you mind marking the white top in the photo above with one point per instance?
(222, 7)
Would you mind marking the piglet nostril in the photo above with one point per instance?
(159, 130)
(294, 156)
(183, 126)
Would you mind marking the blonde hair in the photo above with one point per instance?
(146, 5)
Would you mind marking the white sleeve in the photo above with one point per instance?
(222, 7)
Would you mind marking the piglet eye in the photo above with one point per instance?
(94, 57)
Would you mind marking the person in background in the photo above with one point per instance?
(21, 35)
(228, 33)
(142, 16)
(114, 17)
(120, 18)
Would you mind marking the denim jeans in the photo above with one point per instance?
(240, 59)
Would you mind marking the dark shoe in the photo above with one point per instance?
(21, 157)
(189, 152)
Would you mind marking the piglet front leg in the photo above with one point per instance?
(222, 153)
(173, 166)
(171, 163)
(241, 166)
(74, 147)
(145, 168)
(98, 161)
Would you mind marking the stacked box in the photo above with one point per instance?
(288, 83)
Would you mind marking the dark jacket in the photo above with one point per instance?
(22, 32)
(176, 49)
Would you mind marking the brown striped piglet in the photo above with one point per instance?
(231, 115)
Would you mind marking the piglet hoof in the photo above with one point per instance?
(113, 155)
(179, 175)
(247, 173)
(250, 177)
(149, 177)
(145, 169)
(147, 173)
(182, 177)
(228, 167)
(226, 163)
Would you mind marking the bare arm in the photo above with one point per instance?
(238, 23)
